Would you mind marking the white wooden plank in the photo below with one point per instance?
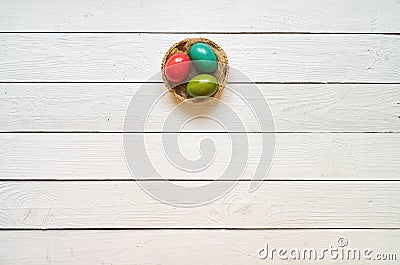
(295, 108)
(186, 246)
(277, 204)
(207, 15)
(297, 156)
(137, 57)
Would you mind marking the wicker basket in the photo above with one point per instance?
(183, 46)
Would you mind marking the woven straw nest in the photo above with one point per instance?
(183, 46)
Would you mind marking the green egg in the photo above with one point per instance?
(203, 57)
(203, 85)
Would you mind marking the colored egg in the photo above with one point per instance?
(203, 57)
(202, 85)
(177, 67)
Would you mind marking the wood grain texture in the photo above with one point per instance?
(174, 15)
(336, 164)
(277, 204)
(137, 57)
(295, 108)
(186, 246)
(297, 156)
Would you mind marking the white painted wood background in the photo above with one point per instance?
(330, 71)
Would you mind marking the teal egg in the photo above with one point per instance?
(203, 85)
(203, 57)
